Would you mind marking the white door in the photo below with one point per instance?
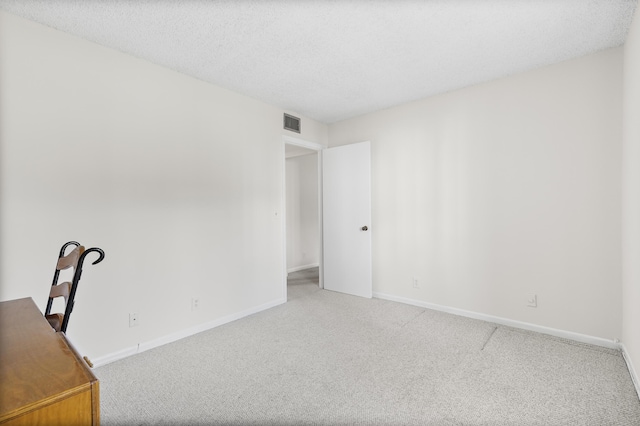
(346, 191)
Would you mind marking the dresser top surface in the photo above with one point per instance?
(37, 365)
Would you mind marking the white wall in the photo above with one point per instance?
(302, 212)
(179, 181)
(507, 188)
(485, 194)
(631, 197)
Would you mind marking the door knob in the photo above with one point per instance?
(365, 228)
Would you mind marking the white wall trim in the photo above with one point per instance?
(302, 268)
(632, 371)
(145, 346)
(141, 347)
(115, 356)
(302, 143)
(583, 338)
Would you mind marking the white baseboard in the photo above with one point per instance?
(583, 338)
(115, 356)
(632, 371)
(145, 346)
(141, 347)
(302, 268)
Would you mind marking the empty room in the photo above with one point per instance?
(321, 212)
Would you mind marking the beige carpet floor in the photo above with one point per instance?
(326, 358)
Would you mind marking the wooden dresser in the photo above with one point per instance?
(43, 380)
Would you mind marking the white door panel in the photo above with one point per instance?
(347, 219)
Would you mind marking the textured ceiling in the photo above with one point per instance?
(331, 60)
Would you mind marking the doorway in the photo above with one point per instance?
(344, 210)
(303, 213)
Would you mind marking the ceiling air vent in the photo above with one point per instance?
(291, 123)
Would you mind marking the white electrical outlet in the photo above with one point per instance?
(532, 300)
(133, 319)
(195, 303)
(415, 283)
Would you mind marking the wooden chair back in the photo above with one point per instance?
(63, 289)
(67, 290)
